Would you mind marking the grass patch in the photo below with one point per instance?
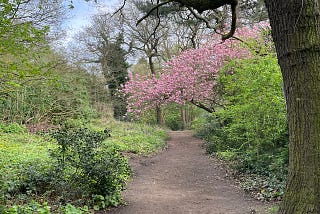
(132, 137)
(25, 157)
(18, 153)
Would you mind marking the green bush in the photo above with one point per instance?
(86, 167)
(80, 166)
(251, 128)
(63, 94)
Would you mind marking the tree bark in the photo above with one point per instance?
(151, 65)
(159, 116)
(183, 117)
(296, 32)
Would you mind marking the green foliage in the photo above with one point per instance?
(273, 210)
(172, 117)
(80, 166)
(115, 71)
(84, 168)
(70, 209)
(148, 117)
(12, 128)
(175, 116)
(34, 207)
(30, 208)
(251, 128)
(19, 43)
(136, 137)
(264, 187)
(86, 165)
(100, 202)
(20, 155)
(60, 96)
(36, 84)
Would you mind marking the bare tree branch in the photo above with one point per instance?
(208, 24)
(120, 9)
(233, 22)
(198, 16)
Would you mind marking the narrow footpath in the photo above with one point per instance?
(184, 180)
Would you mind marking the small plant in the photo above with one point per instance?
(101, 202)
(70, 209)
(30, 208)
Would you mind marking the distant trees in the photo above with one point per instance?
(20, 41)
(36, 83)
(115, 68)
(102, 44)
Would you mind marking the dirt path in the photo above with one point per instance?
(183, 180)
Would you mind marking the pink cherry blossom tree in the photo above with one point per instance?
(190, 77)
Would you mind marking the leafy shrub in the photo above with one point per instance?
(29, 171)
(64, 93)
(251, 128)
(88, 167)
(80, 167)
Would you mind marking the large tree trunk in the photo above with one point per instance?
(296, 32)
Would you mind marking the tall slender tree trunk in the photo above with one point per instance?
(296, 33)
(159, 117)
(183, 114)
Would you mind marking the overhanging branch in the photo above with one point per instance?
(200, 6)
(200, 105)
(153, 9)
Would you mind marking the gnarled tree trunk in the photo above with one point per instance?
(296, 33)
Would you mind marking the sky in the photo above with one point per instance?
(80, 15)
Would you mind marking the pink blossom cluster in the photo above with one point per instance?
(189, 77)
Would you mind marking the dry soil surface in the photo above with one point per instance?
(182, 180)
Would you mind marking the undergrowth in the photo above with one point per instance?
(250, 129)
(78, 168)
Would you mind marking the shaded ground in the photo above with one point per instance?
(184, 180)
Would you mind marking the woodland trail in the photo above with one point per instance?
(184, 180)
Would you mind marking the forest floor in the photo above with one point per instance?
(183, 179)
